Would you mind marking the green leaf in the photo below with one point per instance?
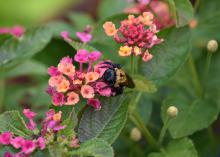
(14, 51)
(81, 20)
(169, 56)
(178, 148)
(70, 124)
(95, 148)
(143, 85)
(13, 122)
(77, 46)
(184, 12)
(57, 27)
(106, 123)
(56, 150)
(29, 67)
(193, 115)
(109, 8)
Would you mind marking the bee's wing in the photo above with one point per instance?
(129, 82)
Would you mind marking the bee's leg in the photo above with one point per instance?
(118, 90)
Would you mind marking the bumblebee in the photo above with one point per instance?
(116, 78)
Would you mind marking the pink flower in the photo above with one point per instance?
(17, 142)
(41, 143)
(5, 138)
(74, 143)
(94, 103)
(65, 35)
(87, 91)
(95, 55)
(84, 37)
(100, 68)
(66, 60)
(103, 89)
(29, 114)
(8, 154)
(147, 56)
(17, 31)
(31, 125)
(53, 71)
(81, 56)
(28, 146)
(72, 98)
(58, 99)
(66, 68)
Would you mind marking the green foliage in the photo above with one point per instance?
(143, 85)
(194, 115)
(184, 12)
(178, 148)
(95, 148)
(13, 51)
(107, 123)
(168, 56)
(77, 46)
(13, 122)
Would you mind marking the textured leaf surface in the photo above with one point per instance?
(178, 148)
(168, 56)
(56, 150)
(13, 122)
(184, 12)
(95, 148)
(14, 51)
(106, 123)
(194, 115)
(143, 85)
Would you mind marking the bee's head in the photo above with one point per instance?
(121, 76)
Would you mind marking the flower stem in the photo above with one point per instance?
(195, 78)
(132, 64)
(163, 131)
(207, 66)
(2, 91)
(135, 117)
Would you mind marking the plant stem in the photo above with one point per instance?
(195, 78)
(163, 131)
(197, 5)
(2, 91)
(132, 64)
(211, 137)
(207, 66)
(147, 134)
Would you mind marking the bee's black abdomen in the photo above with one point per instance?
(118, 90)
(109, 77)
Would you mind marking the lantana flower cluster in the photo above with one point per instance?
(161, 9)
(137, 34)
(16, 31)
(49, 127)
(67, 84)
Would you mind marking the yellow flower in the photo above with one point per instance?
(57, 116)
(137, 50)
(109, 28)
(125, 51)
(146, 18)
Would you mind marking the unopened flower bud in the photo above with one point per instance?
(212, 46)
(172, 111)
(135, 134)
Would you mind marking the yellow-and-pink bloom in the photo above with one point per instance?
(137, 34)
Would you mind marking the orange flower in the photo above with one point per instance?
(66, 68)
(109, 28)
(91, 76)
(72, 98)
(87, 92)
(146, 18)
(77, 82)
(63, 86)
(125, 51)
(57, 116)
(137, 51)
